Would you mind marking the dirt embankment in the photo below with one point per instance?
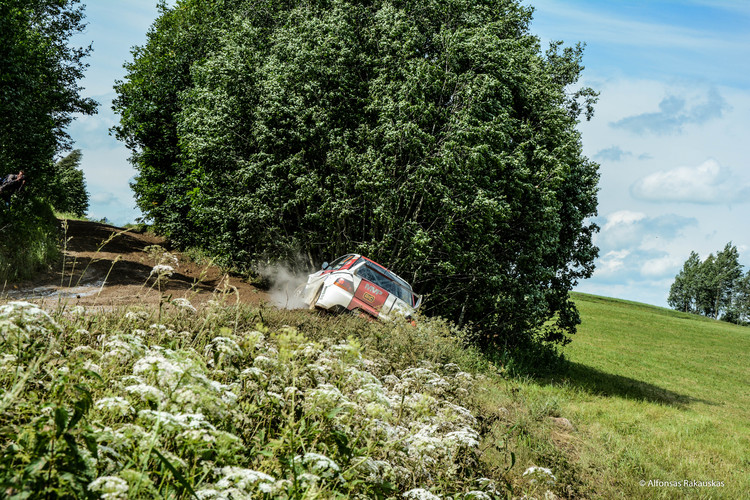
(109, 266)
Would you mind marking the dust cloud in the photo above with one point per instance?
(284, 284)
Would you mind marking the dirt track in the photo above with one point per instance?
(107, 266)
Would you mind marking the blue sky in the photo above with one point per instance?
(671, 129)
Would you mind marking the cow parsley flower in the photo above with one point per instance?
(184, 304)
(162, 271)
(223, 345)
(116, 404)
(110, 487)
(466, 437)
(420, 494)
(540, 474)
(241, 478)
(319, 464)
(146, 392)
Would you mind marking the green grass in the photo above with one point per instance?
(656, 394)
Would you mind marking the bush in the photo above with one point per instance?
(29, 238)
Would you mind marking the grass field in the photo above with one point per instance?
(655, 396)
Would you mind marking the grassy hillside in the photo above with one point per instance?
(659, 395)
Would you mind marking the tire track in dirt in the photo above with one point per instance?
(108, 266)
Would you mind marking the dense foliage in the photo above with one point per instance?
(39, 93)
(715, 287)
(435, 137)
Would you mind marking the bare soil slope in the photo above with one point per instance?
(104, 265)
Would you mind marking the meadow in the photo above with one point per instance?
(660, 401)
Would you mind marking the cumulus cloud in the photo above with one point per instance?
(631, 246)
(674, 113)
(708, 183)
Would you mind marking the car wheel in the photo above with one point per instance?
(316, 295)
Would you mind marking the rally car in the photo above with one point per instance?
(356, 283)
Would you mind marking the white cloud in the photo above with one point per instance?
(709, 182)
(661, 266)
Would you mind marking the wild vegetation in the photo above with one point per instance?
(435, 137)
(238, 401)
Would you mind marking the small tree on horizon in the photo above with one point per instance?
(69, 192)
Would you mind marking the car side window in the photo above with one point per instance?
(384, 281)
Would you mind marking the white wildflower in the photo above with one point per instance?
(207, 493)
(476, 495)
(241, 478)
(146, 392)
(116, 404)
(325, 397)
(420, 494)
(184, 304)
(275, 489)
(176, 421)
(167, 372)
(162, 270)
(110, 487)
(133, 316)
(540, 474)
(466, 437)
(265, 363)
(319, 464)
(254, 372)
(77, 311)
(93, 367)
(307, 478)
(198, 435)
(223, 345)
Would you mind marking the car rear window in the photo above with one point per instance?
(341, 262)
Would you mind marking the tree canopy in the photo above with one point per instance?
(434, 136)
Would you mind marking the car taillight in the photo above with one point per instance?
(345, 284)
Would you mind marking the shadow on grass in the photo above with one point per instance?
(602, 383)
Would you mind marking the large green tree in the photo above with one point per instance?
(39, 90)
(434, 136)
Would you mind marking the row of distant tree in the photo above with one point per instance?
(715, 287)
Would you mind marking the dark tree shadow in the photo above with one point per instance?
(601, 383)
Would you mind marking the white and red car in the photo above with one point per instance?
(356, 283)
